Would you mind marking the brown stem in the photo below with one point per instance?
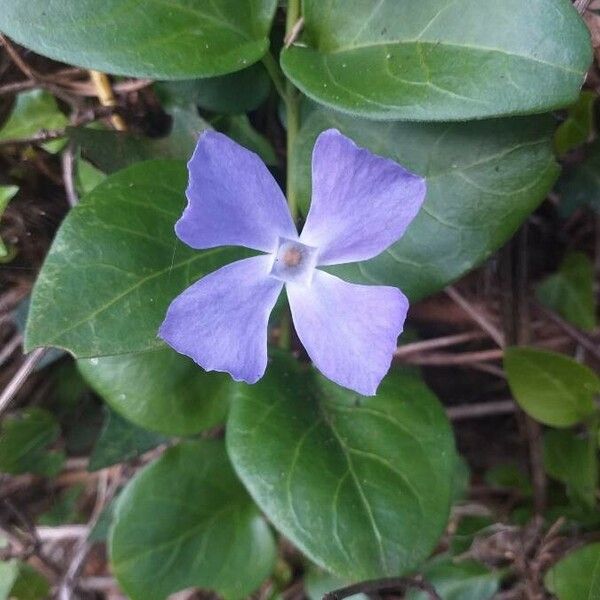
(396, 584)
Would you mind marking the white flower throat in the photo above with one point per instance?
(294, 262)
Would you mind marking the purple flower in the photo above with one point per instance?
(361, 204)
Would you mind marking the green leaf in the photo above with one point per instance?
(484, 178)
(240, 129)
(234, 94)
(577, 575)
(88, 176)
(580, 185)
(29, 585)
(552, 388)
(465, 580)
(34, 111)
(163, 39)
(115, 265)
(7, 193)
(121, 441)
(111, 150)
(570, 292)
(187, 521)
(438, 60)
(578, 127)
(9, 571)
(573, 460)
(160, 390)
(64, 508)
(24, 444)
(361, 485)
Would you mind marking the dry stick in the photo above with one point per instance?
(439, 342)
(68, 163)
(12, 345)
(19, 378)
(476, 315)
(398, 584)
(581, 338)
(107, 97)
(582, 5)
(481, 410)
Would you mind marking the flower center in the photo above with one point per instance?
(294, 262)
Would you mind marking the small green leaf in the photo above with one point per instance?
(573, 460)
(483, 179)
(34, 111)
(240, 129)
(121, 441)
(24, 444)
(578, 127)
(580, 185)
(361, 485)
(234, 94)
(29, 585)
(174, 39)
(160, 390)
(570, 292)
(7, 192)
(9, 571)
(552, 388)
(465, 580)
(115, 265)
(577, 575)
(88, 176)
(186, 521)
(440, 60)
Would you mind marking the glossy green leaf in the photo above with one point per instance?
(578, 127)
(160, 390)
(239, 128)
(572, 459)
(577, 575)
(440, 59)
(235, 93)
(87, 176)
(361, 485)
(7, 193)
(33, 112)
(164, 39)
(120, 441)
(580, 185)
(24, 443)
(570, 291)
(552, 388)
(115, 265)
(187, 521)
(483, 179)
(464, 580)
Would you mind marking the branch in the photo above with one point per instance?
(396, 584)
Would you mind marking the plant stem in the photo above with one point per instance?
(276, 75)
(290, 97)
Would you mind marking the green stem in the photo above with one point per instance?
(276, 75)
(290, 96)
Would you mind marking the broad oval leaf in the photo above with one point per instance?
(116, 264)
(361, 485)
(440, 59)
(186, 521)
(167, 39)
(577, 575)
(160, 390)
(483, 179)
(552, 388)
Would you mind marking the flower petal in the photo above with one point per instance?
(233, 200)
(361, 203)
(221, 320)
(349, 331)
